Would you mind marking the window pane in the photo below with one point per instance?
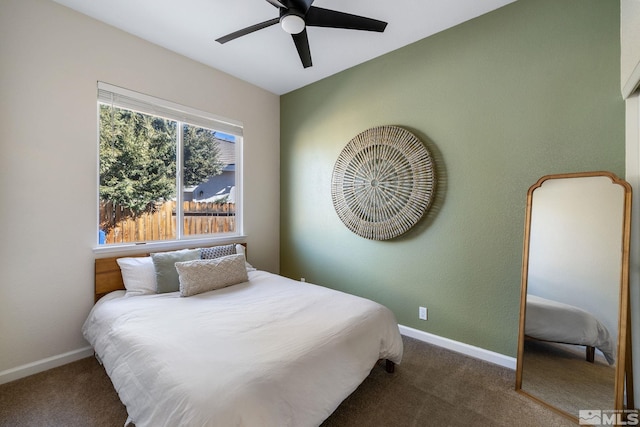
(137, 176)
(209, 181)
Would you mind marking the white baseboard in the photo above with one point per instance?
(469, 350)
(44, 364)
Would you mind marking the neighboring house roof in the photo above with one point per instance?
(227, 152)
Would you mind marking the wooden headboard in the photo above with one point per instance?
(107, 277)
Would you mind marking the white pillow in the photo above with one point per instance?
(203, 275)
(240, 249)
(138, 275)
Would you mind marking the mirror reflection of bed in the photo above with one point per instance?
(550, 320)
(574, 292)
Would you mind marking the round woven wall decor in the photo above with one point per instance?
(383, 182)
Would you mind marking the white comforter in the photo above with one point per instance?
(268, 352)
(554, 321)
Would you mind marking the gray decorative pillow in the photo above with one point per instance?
(205, 275)
(217, 251)
(166, 273)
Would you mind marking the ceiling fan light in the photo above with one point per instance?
(292, 24)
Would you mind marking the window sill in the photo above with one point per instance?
(129, 248)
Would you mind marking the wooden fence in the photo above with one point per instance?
(120, 226)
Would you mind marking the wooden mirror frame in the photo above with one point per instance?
(623, 368)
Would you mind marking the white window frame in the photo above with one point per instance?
(142, 103)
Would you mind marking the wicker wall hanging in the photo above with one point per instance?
(383, 182)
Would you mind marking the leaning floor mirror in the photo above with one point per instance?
(574, 336)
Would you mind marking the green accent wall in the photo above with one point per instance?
(527, 90)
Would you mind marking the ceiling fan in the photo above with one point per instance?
(296, 15)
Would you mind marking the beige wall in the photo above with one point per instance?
(50, 60)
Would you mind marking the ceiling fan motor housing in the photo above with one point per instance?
(292, 21)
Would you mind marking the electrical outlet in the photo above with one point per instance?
(302, 279)
(422, 313)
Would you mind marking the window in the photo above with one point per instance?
(167, 172)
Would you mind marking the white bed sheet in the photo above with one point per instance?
(267, 352)
(554, 321)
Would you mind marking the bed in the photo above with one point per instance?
(553, 321)
(267, 351)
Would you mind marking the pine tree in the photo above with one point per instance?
(201, 155)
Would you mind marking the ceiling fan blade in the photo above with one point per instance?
(278, 4)
(301, 5)
(302, 45)
(318, 17)
(248, 30)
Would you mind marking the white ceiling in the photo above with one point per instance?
(268, 58)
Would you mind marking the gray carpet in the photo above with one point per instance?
(432, 387)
